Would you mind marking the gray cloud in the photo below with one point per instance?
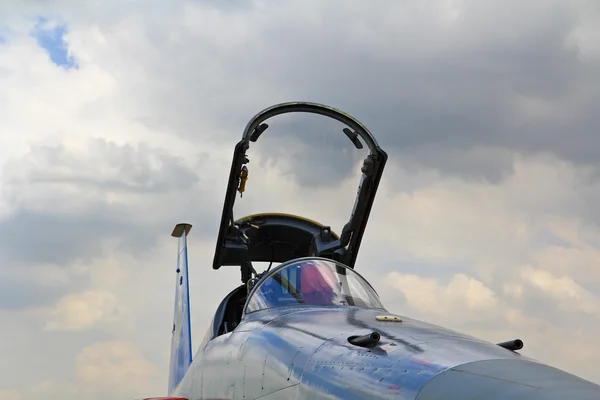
(45, 237)
(70, 206)
(313, 148)
(109, 166)
(19, 289)
(492, 79)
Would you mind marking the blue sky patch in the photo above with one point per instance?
(50, 37)
(4, 32)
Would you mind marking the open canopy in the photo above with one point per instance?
(313, 282)
(279, 238)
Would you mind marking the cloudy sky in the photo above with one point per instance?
(118, 120)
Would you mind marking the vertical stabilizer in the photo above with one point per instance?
(181, 339)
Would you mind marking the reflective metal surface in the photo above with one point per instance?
(304, 353)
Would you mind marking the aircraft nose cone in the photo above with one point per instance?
(507, 380)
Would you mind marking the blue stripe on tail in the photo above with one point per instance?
(181, 340)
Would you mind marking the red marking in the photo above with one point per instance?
(317, 284)
(394, 387)
(165, 398)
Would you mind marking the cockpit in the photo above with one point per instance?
(314, 282)
(302, 282)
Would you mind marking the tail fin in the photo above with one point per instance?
(181, 339)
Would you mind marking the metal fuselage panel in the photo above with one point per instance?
(304, 353)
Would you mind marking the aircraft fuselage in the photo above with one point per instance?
(312, 328)
(304, 353)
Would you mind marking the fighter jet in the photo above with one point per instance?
(311, 327)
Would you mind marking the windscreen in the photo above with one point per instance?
(313, 282)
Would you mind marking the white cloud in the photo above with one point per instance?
(115, 367)
(430, 297)
(80, 311)
(10, 395)
(571, 295)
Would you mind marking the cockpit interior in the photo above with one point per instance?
(309, 281)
